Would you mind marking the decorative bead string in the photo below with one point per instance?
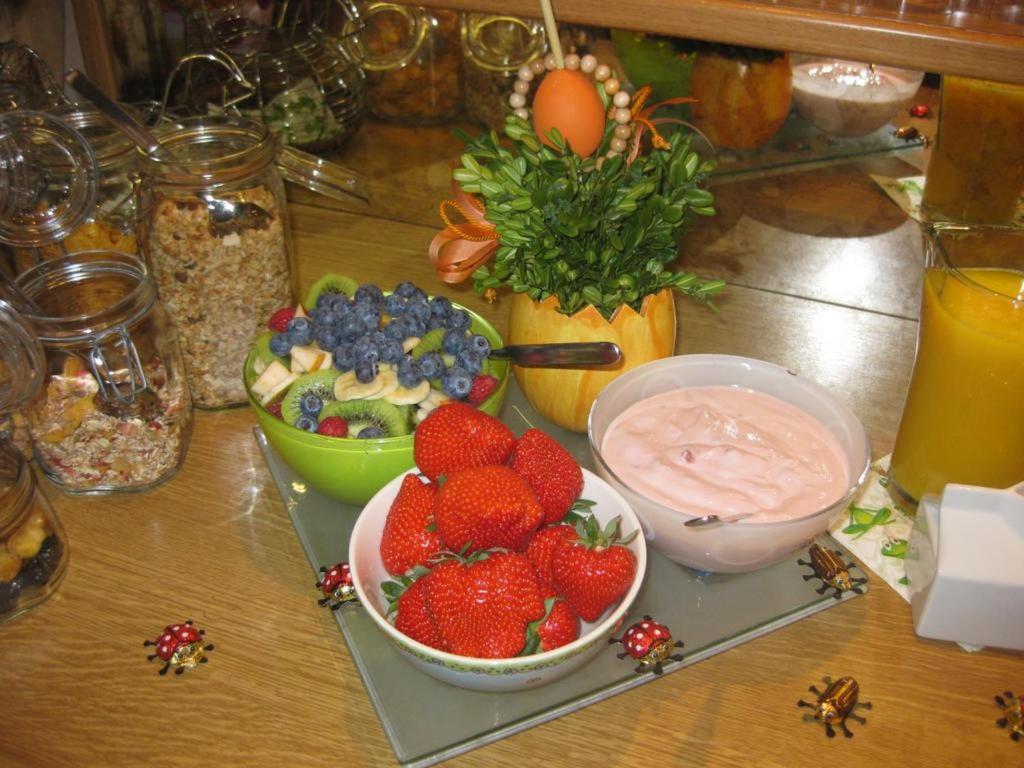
(589, 65)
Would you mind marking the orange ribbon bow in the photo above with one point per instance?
(460, 248)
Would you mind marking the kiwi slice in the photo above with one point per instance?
(319, 382)
(431, 342)
(393, 420)
(330, 283)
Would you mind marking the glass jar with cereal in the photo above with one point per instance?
(215, 233)
(113, 413)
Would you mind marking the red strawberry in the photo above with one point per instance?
(459, 436)
(486, 507)
(408, 539)
(279, 320)
(559, 627)
(541, 549)
(593, 572)
(333, 426)
(483, 387)
(550, 470)
(482, 606)
(414, 619)
(274, 409)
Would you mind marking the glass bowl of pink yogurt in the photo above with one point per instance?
(773, 455)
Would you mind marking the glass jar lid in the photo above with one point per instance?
(48, 179)
(386, 36)
(502, 43)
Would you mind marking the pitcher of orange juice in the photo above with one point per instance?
(963, 421)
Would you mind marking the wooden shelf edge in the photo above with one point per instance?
(995, 52)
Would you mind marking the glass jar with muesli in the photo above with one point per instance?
(215, 233)
(114, 412)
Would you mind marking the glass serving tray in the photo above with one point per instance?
(710, 613)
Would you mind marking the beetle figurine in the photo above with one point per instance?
(828, 566)
(650, 643)
(179, 646)
(835, 705)
(1013, 714)
(336, 584)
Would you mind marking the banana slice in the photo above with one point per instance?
(409, 343)
(354, 389)
(390, 379)
(410, 395)
(342, 383)
(420, 415)
(436, 398)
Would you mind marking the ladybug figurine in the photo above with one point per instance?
(180, 646)
(336, 584)
(650, 643)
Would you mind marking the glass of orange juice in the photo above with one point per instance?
(963, 421)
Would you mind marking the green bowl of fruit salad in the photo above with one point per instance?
(339, 383)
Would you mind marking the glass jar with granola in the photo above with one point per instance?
(114, 412)
(214, 231)
(412, 59)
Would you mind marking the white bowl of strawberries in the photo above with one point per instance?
(498, 564)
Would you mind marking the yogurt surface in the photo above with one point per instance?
(727, 450)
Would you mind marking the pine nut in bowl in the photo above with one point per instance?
(505, 674)
(731, 463)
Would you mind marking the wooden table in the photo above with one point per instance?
(823, 274)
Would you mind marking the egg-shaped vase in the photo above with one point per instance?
(564, 395)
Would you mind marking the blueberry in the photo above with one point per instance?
(405, 290)
(307, 423)
(441, 306)
(366, 371)
(344, 358)
(313, 316)
(479, 344)
(370, 432)
(311, 404)
(469, 361)
(350, 329)
(456, 382)
(409, 373)
(436, 321)
(417, 295)
(326, 318)
(414, 326)
(391, 351)
(365, 348)
(458, 320)
(327, 337)
(453, 342)
(280, 344)
(324, 299)
(431, 365)
(369, 293)
(38, 570)
(394, 305)
(420, 310)
(9, 593)
(397, 329)
(338, 303)
(300, 331)
(368, 316)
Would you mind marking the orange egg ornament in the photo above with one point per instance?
(568, 100)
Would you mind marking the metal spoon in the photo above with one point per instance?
(570, 355)
(703, 520)
(225, 216)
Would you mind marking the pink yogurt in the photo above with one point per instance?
(727, 450)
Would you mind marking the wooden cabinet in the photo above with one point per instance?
(986, 43)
